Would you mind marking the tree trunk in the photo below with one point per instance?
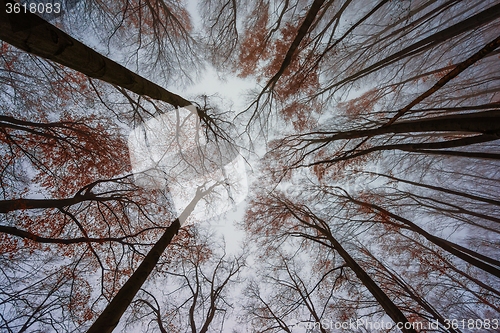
(110, 317)
(32, 34)
(490, 47)
(301, 33)
(411, 292)
(387, 304)
(471, 23)
(425, 148)
(487, 122)
(472, 257)
(16, 204)
(442, 189)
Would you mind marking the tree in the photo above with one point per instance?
(34, 35)
(290, 292)
(326, 159)
(375, 199)
(286, 210)
(111, 315)
(86, 193)
(200, 277)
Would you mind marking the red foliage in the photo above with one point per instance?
(68, 154)
(299, 114)
(363, 104)
(8, 245)
(254, 46)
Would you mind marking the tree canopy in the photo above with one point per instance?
(365, 161)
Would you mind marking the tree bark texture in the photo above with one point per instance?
(32, 34)
(110, 317)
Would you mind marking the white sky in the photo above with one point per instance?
(232, 91)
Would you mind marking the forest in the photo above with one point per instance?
(359, 176)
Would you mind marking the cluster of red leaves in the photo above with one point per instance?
(320, 170)
(300, 115)
(9, 245)
(61, 155)
(363, 104)
(430, 262)
(368, 198)
(297, 77)
(297, 80)
(9, 55)
(79, 304)
(68, 83)
(268, 217)
(69, 154)
(322, 265)
(254, 46)
(280, 48)
(438, 74)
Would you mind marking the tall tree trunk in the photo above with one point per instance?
(32, 34)
(301, 33)
(427, 43)
(322, 227)
(17, 204)
(110, 317)
(488, 48)
(387, 304)
(483, 262)
(434, 148)
(410, 291)
(487, 122)
(441, 189)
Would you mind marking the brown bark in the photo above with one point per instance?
(489, 156)
(479, 122)
(17, 204)
(34, 35)
(110, 317)
(192, 322)
(387, 304)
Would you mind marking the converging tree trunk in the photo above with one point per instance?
(34, 35)
(371, 129)
(110, 317)
(322, 227)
